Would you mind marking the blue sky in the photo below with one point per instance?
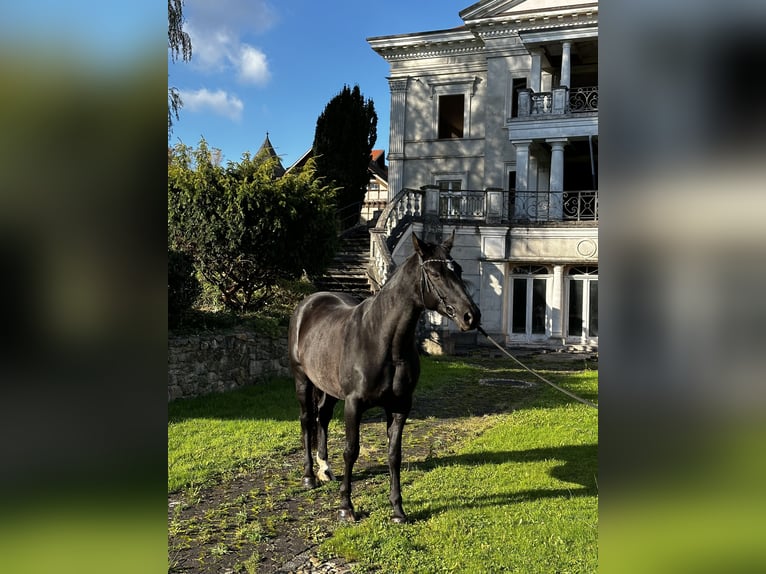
(265, 66)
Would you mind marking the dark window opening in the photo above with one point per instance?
(451, 116)
(517, 84)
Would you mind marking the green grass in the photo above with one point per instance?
(522, 497)
(214, 436)
(509, 492)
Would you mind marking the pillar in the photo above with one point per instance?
(566, 67)
(520, 203)
(396, 136)
(522, 164)
(536, 71)
(556, 186)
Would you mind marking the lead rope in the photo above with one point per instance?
(543, 379)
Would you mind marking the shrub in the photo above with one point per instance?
(183, 286)
(246, 228)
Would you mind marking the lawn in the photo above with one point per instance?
(214, 437)
(494, 479)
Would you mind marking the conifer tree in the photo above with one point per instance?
(345, 133)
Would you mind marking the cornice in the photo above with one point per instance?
(440, 43)
(431, 51)
(498, 28)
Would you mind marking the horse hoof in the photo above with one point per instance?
(326, 476)
(309, 482)
(397, 519)
(347, 515)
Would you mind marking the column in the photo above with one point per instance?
(566, 69)
(557, 304)
(522, 164)
(536, 71)
(396, 135)
(522, 201)
(556, 186)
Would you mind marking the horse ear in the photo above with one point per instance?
(448, 243)
(418, 245)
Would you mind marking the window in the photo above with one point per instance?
(451, 116)
(582, 315)
(528, 304)
(516, 85)
(450, 184)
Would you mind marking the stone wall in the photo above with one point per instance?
(214, 362)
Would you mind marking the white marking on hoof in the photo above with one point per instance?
(324, 474)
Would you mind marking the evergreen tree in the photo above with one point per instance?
(345, 133)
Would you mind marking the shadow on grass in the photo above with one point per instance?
(440, 505)
(275, 400)
(577, 465)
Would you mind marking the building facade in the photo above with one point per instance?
(376, 195)
(494, 133)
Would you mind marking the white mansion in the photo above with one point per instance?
(494, 133)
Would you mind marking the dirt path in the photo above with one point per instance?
(266, 522)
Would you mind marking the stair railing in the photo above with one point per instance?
(401, 211)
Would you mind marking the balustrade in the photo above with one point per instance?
(399, 213)
(462, 205)
(549, 206)
(491, 206)
(560, 100)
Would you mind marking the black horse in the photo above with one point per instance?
(366, 354)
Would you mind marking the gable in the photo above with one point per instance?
(525, 9)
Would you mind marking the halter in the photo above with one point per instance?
(426, 280)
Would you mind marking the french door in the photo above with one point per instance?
(529, 309)
(582, 305)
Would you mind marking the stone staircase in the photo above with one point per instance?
(348, 271)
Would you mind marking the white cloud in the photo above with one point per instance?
(216, 30)
(219, 102)
(253, 66)
(211, 49)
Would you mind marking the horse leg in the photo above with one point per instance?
(304, 389)
(326, 406)
(395, 423)
(353, 416)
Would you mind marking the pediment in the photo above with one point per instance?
(525, 9)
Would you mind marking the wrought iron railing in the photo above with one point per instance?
(518, 206)
(553, 206)
(583, 100)
(462, 205)
(560, 100)
(492, 206)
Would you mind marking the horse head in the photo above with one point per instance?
(441, 284)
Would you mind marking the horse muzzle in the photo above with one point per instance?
(469, 319)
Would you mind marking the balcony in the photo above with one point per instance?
(559, 101)
(520, 207)
(550, 206)
(431, 205)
